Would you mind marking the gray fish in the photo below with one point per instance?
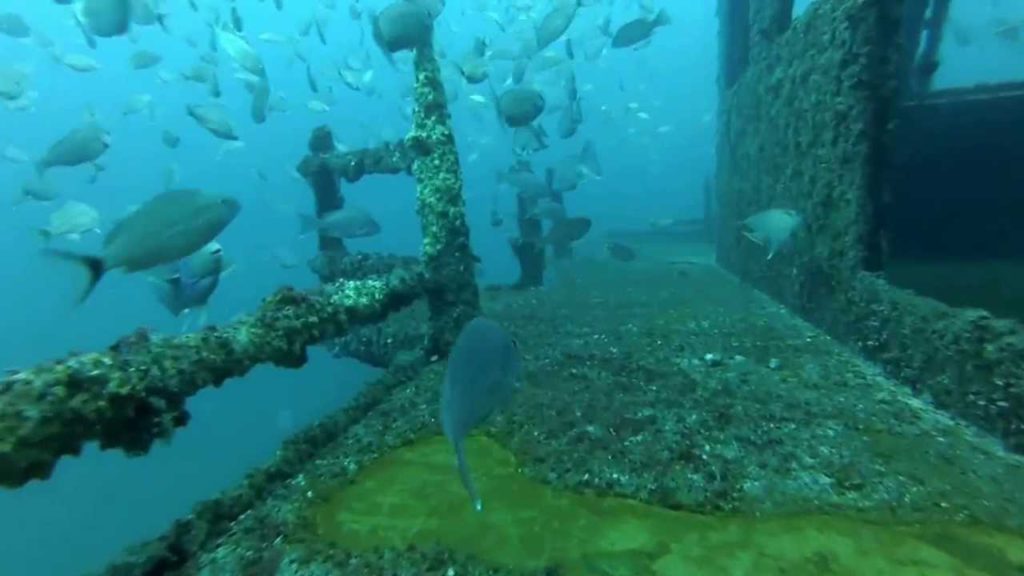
(520, 105)
(164, 229)
(14, 26)
(403, 25)
(772, 228)
(13, 82)
(260, 101)
(214, 118)
(484, 369)
(572, 171)
(36, 190)
(170, 139)
(104, 18)
(529, 139)
(83, 145)
(572, 115)
(474, 67)
(555, 23)
(638, 30)
(145, 13)
(567, 230)
(527, 184)
(143, 59)
(621, 252)
(348, 222)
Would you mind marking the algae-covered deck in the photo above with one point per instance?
(673, 421)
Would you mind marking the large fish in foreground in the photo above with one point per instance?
(483, 372)
(164, 229)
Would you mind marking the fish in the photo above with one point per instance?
(188, 284)
(772, 228)
(484, 370)
(36, 190)
(14, 155)
(529, 139)
(71, 221)
(474, 66)
(80, 63)
(166, 228)
(402, 25)
(14, 26)
(347, 222)
(82, 145)
(170, 139)
(619, 251)
(520, 105)
(548, 209)
(572, 171)
(260, 101)
(241, 52)
(555, 23)
(104, 18)
(638, 30)
(143, 59)
(214, 118)
(567, 230)
(13, 82)
(572, 116)
(146, 13)
(139, 103)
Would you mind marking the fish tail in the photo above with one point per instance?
(93, 264)
(662, 18)
(464, 475)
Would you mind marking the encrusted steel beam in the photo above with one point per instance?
(135, 392)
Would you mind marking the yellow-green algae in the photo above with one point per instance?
(412, 496)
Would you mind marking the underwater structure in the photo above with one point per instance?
(653, 412)
(816, 121)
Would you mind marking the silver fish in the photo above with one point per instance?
(772, 228)
(214, 118)
(71, 221)
(164, 229)
(483, 372)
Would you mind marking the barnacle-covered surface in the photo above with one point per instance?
(806, 127)
(674, 392)
(134, 393)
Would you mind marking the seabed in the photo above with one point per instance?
(673, 422)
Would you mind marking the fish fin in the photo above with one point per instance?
(754, 238)
(93, 264)
(662, 19)
(203, 317)
(307, 224)
(465, 476)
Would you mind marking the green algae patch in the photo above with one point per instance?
(413, 496)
